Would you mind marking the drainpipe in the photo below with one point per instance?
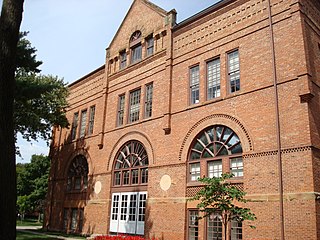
(276, 97)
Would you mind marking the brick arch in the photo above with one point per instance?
(216, 119)
(138, 136)
(73, 155)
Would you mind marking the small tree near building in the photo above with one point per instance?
(219, 195)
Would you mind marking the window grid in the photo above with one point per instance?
(123, 60)
(91, 119)
(74, 219)
(74, 125)
(214, 227)
(236, 230)
(65, 218)
(78, 174)
(234, 71)
(136, 53)
(236, 167)
(121, 110)
(83, 123)
(150, 45)
(115, 207)
(132, 207)
(194, 84)
(142, 207)
(144, 175)
(81, 217)
(124, 204)
(193, 225)
(213, 79)
(148, 102)
(215, 168)
(134, 106)
(194, 171)
(126, 177)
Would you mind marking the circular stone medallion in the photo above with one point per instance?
(165, 182)
(97, 187)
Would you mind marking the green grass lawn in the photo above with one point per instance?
(28, 222)
(31, 236)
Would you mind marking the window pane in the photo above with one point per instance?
(65, 218)
(214, 227)
(77, 183)
(150, 45)
(213, 79)
(83, 123)
(148, 103)
(74, 219)
(121, 110)
(142, 207)
(194, 171)
(115, 207)
(74, 126)
(134, 106)
(135, 176)
(123, 60)
(236, 230)
(215, 169)
(237, 167)
(193, 225)
(194, 85)
(124, 204)
(132, 207)
(234, 71)
(91, 120)
(144, 175)
(125, 180)
(136, 53)
(81, 216)
(117, 178)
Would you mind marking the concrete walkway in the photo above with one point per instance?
(32, 229)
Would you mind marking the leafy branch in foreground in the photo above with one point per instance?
(219, 196)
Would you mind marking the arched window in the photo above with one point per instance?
(215, 150)
(129, 195)
(78, 174)
(131, 165)
(136, 47)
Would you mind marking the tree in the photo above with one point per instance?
(40, 100)
(32, 184)
(218, 194)
(10, 20)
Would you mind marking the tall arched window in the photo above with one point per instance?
(215, 150)
(129, 195)
(136, 47)
(78, 174)
(131, 165)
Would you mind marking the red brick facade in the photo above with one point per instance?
(275, 107)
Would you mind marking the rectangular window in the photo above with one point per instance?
(142, 207)
(117, 178)
(81, 216)
(115, 207)
(124, 204)
(194, 78)
(65, 218)
(213, 79)
(83, 123)
(144, 175)
(148, 103)
(136, 53)
(74, 219)
(135, 176)
(74, 125)
(132, 207)
(194, 171)
(193, 225)
(236, 230)
(215, 169)
(77, 183)
(234, 71)
(126, 177)
(91, 119)
(150, 45)
(134, 106)
(121, 110)
(236, 167)
(123, 59)
(214, 227)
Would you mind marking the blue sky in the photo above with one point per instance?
(71, 37)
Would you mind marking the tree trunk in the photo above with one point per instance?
(10, 20)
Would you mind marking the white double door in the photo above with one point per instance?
(128, 212)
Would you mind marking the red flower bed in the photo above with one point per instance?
(122, 237)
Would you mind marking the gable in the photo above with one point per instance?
(142, 16)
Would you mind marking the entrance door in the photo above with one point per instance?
(128, 212)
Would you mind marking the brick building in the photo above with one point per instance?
(234, 88)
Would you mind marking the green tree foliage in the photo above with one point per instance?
(218, 194)
(32, 184)
(40, 100)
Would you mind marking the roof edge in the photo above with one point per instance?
(87, 75)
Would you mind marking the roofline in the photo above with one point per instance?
(87, 75)
(202, 13)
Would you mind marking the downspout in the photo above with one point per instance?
(276, 97)
(53, 179)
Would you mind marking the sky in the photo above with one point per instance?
(71, 37)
